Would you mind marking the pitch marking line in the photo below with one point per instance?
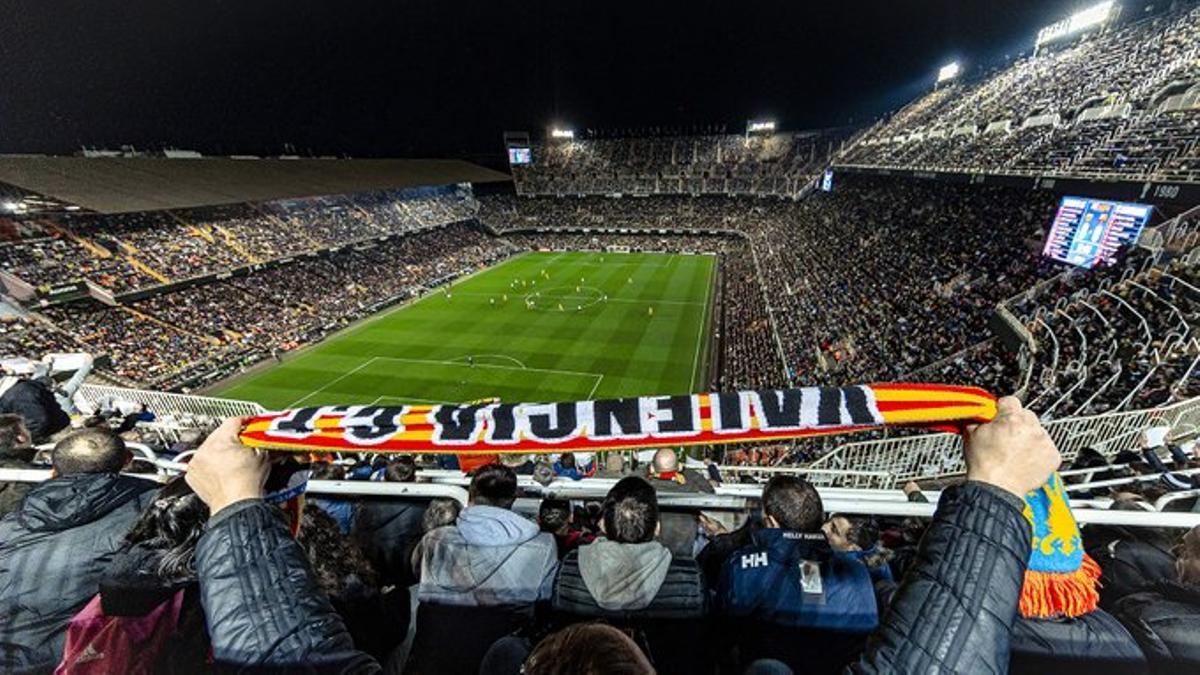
(700, 330)
(599, 377)
(472, 294)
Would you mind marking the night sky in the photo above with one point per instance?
(444, 78)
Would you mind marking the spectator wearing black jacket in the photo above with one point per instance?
(34, 401)
(56, 546)
(1165, 619)
(264, 609)
(16, 452)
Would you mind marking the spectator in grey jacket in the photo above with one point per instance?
(491, 556)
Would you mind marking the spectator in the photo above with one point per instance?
(555, 517)
(341, 510)
(1165, 619)
(441, 512)
(147, 616)
(581, 649)
(16, 452)
(387, 528)
(67, 529)
(628, 578)
(34, 400)
(979, 526)
(565, 467)
(679, 528)
(487, 571)
(788, 596)
(859, 538)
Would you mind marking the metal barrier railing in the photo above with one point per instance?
(94, 396)
(933, 456)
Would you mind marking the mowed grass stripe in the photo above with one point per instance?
(609, 349)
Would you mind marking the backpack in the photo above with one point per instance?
(133, 645)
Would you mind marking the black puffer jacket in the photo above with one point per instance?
(384, 530)
(1129, 560)
(35, 402)
(955, 609)
(1092, 643)
(261, 602)
(953, 613)
(1165, 621)
(53, 551)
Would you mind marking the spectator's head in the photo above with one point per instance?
(90, 451)
(554, 516)
(792, 503)
(630, 512)
(336, 560)
(440, 513)
(493, 485)
(327, 471)
(400, 470)
(665, 461)
(615, 462)
(170, 527)
(851, 533)
(1187, 558)
(567, 460)
(587, 649)
(15, 439)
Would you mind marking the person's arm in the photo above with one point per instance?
(261, 603)
(955, 608)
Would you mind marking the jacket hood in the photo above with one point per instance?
(64, 503)
(623, 576)
(493, 526)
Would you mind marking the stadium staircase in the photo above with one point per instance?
(92, 247)
(171, 328)
(231, 240)
(146, 269)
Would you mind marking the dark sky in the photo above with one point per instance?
(445, 77)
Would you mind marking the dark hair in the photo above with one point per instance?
(794, 503)
(631, 511)
(12, 433)
(863, 532)
(89, 451)
(333, 556)
(170, 527)
(554, 515)
(567, 460)
(587, 649)
(400, 470)
(494, 485)
(440, 513)
(327, 471)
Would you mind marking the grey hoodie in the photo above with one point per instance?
(623, 576)
(490, 557)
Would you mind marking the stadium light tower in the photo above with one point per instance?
(1096, 15)
(948, 72)
(562, 134)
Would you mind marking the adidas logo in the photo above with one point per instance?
(88, 655)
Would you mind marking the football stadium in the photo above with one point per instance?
(544, 338)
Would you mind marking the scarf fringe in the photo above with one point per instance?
(1047, 595)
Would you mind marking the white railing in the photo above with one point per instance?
(932, 456)
(91, 397)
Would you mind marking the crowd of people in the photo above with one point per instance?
(1112, 103)
(168, 339)
(224, 567)
(127, 252)
(730, 164)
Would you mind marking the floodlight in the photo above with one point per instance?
(1092, 16)
(12, 206)
(564, 134)
(760, 127)
(948, 72)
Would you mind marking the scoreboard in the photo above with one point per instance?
(1087, 232)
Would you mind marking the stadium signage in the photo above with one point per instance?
(638, 422)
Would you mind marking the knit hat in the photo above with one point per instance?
(1061, 579)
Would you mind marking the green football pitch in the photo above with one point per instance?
(537, 327)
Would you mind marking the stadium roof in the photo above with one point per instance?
(124, 184)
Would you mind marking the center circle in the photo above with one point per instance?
(565, 298)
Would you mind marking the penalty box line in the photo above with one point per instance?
(598, 377)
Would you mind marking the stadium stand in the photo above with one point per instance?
(1119, 103)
